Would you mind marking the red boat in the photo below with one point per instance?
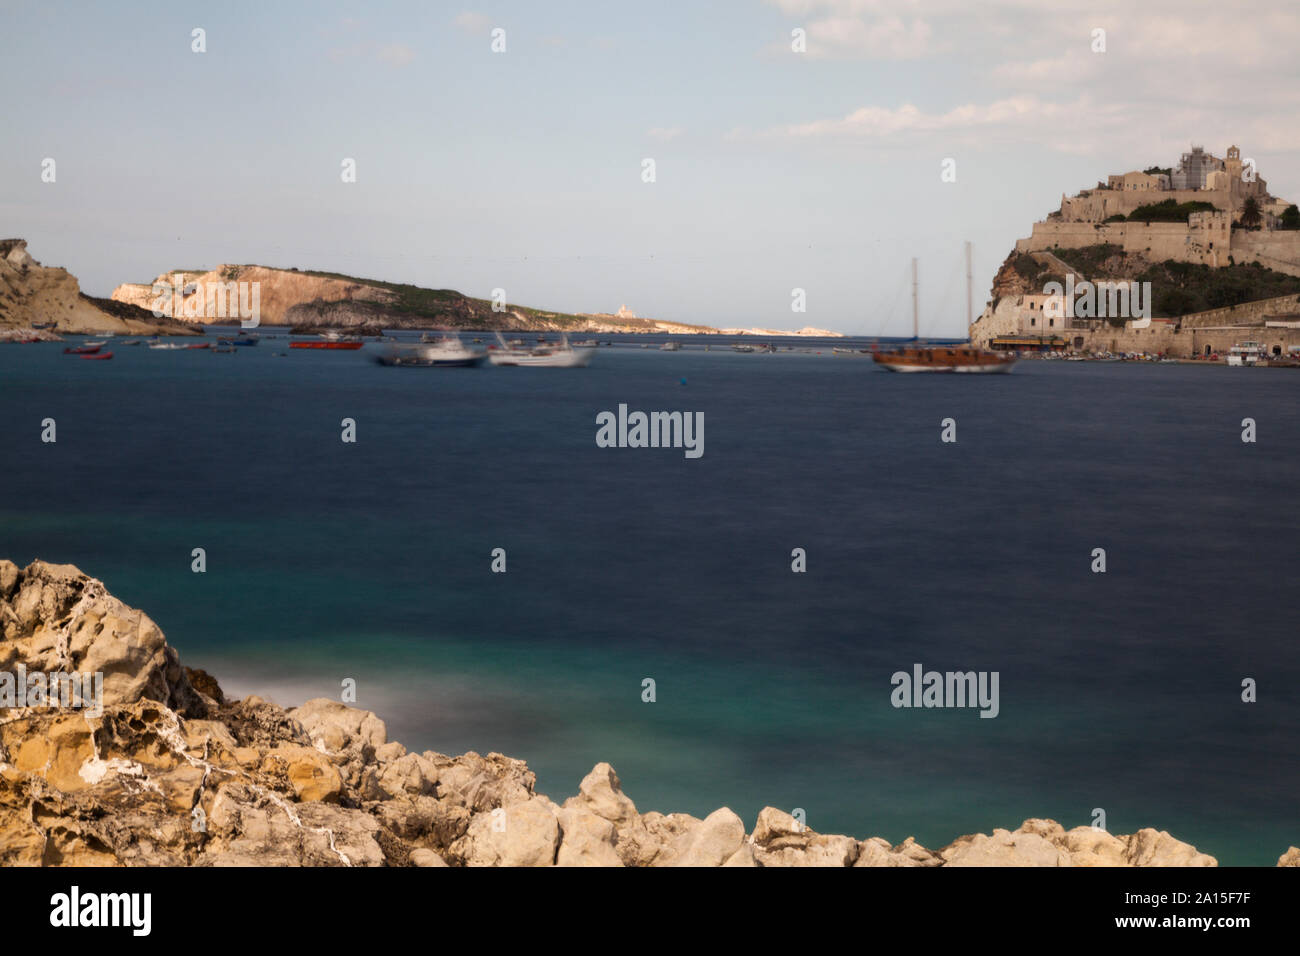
(98, 358)
(204, 345)
(326, 345)
(83, 350)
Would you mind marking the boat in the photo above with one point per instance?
(245, 342)
(584, 344)
(130, 342)
(348, 345)
(562, 355)
(448, 352)
(224, 350)
(966, 358)
(83, 349)
(200, 345)
(98, 356)
(98, 344)
(671, 347)
(167, 346)
(742, 348)
(840, 351)
(1245, 353)
(957, 358)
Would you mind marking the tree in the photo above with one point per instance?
(1291, 217)
(1250, 217)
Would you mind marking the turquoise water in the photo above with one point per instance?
(371, 561)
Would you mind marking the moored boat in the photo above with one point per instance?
(83, 349)
(1245, 353)
(671, 347)
(97, 356)
(327, 344)
(448, 352)
(562, 355)
(959, 358)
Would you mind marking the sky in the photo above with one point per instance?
(524, 170)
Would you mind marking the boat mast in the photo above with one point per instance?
(969, 287)
(915, 320)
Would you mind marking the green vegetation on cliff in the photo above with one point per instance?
(1178, 288)
(1168, 211)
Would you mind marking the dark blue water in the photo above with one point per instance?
(371, 561)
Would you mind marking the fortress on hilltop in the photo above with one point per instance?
(1198, 257)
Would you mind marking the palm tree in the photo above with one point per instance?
(1250, 217)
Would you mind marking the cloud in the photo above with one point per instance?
(472, 22)
(874, 121)
(840, 38)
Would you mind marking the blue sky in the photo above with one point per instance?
(522, 170)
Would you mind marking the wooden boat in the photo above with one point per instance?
(200, 345)
(83, 350)
(327, 344)
(943, 358)
(959, 358)
(98, 356)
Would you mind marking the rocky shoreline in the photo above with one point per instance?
(172, 773)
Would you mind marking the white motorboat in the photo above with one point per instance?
(447, 352)
(1245, 353)
(562, 355)
(671, 347)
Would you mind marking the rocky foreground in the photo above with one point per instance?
(172, 773)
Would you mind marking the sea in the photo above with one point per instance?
(650, 613)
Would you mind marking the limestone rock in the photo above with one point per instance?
(1004, 848)
(526, 833)
(877, 852)
(711, 842)
(1150, 847)
(1290, 858)
(483, 783)
(56, 619)
(602, 794)
(1089, 846)
(585, 839)
(780, 840)
(338, 727)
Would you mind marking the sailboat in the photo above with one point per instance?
(956, 358)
